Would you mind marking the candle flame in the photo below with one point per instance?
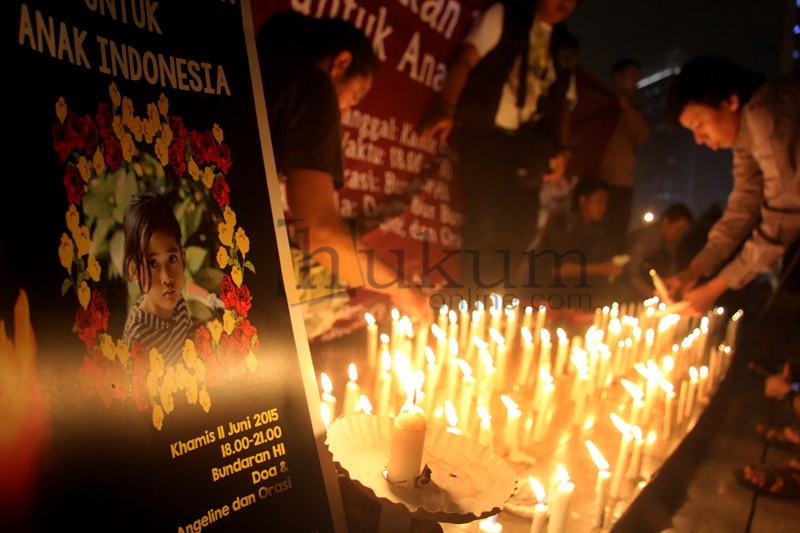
(528, 310)
(719, 310)
(366, 407)
(545, 375)
(737, 315)
(325, 411)
(452, 316)
(494, 311)
(438, 332)
(637, 332)
(386, 361)
(537, 488)
(589, 423)
(650, 312)
(693, 373)
(545, 335)
(580, 365)
(443, 309)
(453, 347)
(384, 338)
(465, 368)
(327, 386)
(635, 391)
(484, 414)
(419, 379)
(497, 337)
(542, 308)
(351, 370)
(652, 369)
(526, 335)
(511, 405)
(510, 312)
(620, 424)
(479, 306)
(666, 386)
(703, 372)
(621, 343)
(497, 301)
(628, 342)
(480, 343)
(450, 413)
(597, 457)
(463, 306)
(429, 356)
(395, 314)
(405, 325)
(668, 363)
(637, 433)
(562, 335)
(606, 309)
(488, 362)
(615, 326)
(476, 317)
(649, 335)
(370, 319)
(563, 475)
(651, 437)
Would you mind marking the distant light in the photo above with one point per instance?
(658, 76)
(649, 217)
(797, 28)
(796, 53)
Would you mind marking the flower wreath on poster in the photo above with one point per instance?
(108, 160)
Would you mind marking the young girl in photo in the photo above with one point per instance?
(155, 258)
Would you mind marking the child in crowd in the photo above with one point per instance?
(155, 258)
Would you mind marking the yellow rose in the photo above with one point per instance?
(108, 347)
(191, 391)
(189, 352)
(158, 417)
(162, 151)
(236, 275)
(170, 381)
(128, 147)
(222, 257)
(229, 215)
(225, 234)
(194, 170)
(163, 104)
(165, 395)
(127, 112)
(122, 352)
(156, 362)
(93, 268)
(215, 328)
(61, 109)
(183, 375)
(136, 125)
(100, 164)
(200, 369)
(242, 241)
(113, 92)
(208, 177)
(252, 362)
(228, 322)
(73, 219)
(82, 241)
(166, 134)
(116, 125)
(84, 168)
(205, 400)
(217, 132)
(84, 294)
(65, 252)
(152, 383)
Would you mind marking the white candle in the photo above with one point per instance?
(466, 393)
(420, 343)
(622, 458)
(703, 383)
(351, 392)
(511, 325)
(540, 511)
(485, 434)
(408, 442)
(452, 371)
(327, 395)
(544, 349)
(499, 357)
(452, 418)
(474, 329)
(372, 341)
(540, 318)
(561, 353)
(602, 487)
(693, 375)
(431, 379)
(464, 323)
(487, 382)
(443, 312)
(325, 412)
(511, 433)
(635, 465)
(395, 336)
(384, 389)
(441, 343)
(527, 319)
(542, 416)
(527, 357)
(452, 330)
(638, 404)
(559, 503)
(669, 400)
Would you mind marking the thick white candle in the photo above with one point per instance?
(408, 442)
(351, 392)
(559, 503)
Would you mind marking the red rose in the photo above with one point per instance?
(113, 151)
(250, 334)
(99, 310)
(104, 119)
(240, 341)
(221, 191)
(86, 327)
(139, 392)
(141, 360)
(202, 342)
(74, 185)
(224, 158)
(177, 157)
(228, 351)
(227, 292)
(178, 131)
(243, 303)
(202, 145)
(61, 141)
(87, 135)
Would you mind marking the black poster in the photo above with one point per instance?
(150, 377)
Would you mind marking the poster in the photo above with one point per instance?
(151, 380)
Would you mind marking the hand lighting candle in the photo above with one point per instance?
(559, 503)
(540, 510)
(602, 487)
(327, 394)
(408, 442)
(351, 392)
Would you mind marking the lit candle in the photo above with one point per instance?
(486, 389)
(486, 435)
(635, 464)
(636, 407)
(474, 328)
(512, 424)
(540, 510)
(327, 394)
(464, 323)
(581, 390)
(466, 393)
(669, 400)
(408, 442)
(443, 312)
(527, 357)
(602, 487)
(544, 349)
(325, 412)
(561, 353)
(500, 356)
(372, 341)
(452, 418)
(384, 389)
(384, 343)
(543, 414)
(540, 317)
(527, 319)
(351, 392)
(364, 405)
(395, 337)
(622, 457)
(693, 375)
(703, 383)
(441, 343)
(452, 370)
(559, 503)
(490, 525)
(431, 380)
(420, 343)
(452, 330)
(511, 324)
